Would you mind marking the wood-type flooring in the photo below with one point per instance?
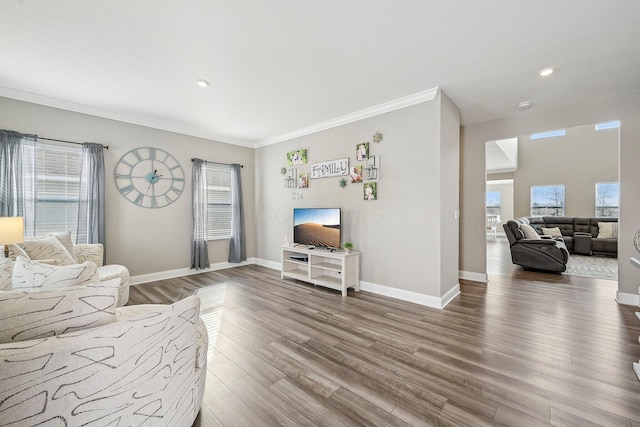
(525, 349)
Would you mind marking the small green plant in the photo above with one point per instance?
(348, 246)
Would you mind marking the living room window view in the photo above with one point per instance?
(573, 225)
(326, 213)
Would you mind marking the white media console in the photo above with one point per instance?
(332, 269)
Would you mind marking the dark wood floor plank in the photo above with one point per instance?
(524, 349)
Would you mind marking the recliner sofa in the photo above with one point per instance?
(546, 254)
(574, 228)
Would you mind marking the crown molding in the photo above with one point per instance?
(121, 117)
(397, 104)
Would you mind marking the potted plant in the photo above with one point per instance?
(348, 247)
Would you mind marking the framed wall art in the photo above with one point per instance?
(297, 157)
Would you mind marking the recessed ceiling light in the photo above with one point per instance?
(545, 72)
(202, 83)
(524, 105)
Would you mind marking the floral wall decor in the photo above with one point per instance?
(377, 137)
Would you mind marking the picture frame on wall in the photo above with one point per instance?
(303, 180)
(356, 174)
(297, 157)
(362, 151)
(370, 191)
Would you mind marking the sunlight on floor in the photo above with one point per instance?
(211, 309)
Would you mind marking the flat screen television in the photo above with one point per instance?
(319, 227)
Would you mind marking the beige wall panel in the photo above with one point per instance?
(399, 234)
(145, 240)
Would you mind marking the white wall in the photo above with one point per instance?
(401, 234)
(145, 240)
(625, 108)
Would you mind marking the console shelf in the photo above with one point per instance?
(331, 269)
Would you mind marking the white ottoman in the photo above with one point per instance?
(113, 271)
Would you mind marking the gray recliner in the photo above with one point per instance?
(546, 254)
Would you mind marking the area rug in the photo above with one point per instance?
(592, 266)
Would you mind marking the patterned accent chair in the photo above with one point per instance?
(144, 366)
(94, 252)
(58, 249)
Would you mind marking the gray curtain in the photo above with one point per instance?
(237, 246)
(17, 177)
(91, 210)
(199, 251)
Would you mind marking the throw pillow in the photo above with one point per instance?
(555, 232)
(14, 252)
(33, 274)
(47, 248)
(607, 230)
(65, 239)
(530, 232)
(32, 314)
(6, 272)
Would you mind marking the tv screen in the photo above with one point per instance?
(317, 227)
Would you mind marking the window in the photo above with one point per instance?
(493, 203)
(549, 134)
(218, 201)
(608, 125)
(57, 187)
(607, 199)
(547, 200)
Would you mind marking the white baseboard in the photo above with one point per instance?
(627, 299)
(410, 296)
(269, 264)
(401, 294)
(180, 272)
(474, 277)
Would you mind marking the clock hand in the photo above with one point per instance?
(152, 178)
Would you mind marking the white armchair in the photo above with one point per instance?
(94, 252)
(58, 249)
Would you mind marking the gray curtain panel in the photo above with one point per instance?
(17, 177)
(91, 209)
(199, 251)
(237, 245)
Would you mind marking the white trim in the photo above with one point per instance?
(401, 294)
(407, 101)
(397, 104)
(180, 272)
(409, 296)
(269, 264)
(627, 299)
(474, 277)
(119, 116)
(450, 295)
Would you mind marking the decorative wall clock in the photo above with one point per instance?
(149, 177)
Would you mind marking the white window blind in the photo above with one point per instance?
(57, 178)
(218, 201)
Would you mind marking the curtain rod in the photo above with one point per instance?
(106, 147)
(219, 163)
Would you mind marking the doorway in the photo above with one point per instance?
(580, 159)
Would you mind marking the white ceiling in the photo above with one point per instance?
(279, 66)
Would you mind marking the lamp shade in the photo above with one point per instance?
(11, 229)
